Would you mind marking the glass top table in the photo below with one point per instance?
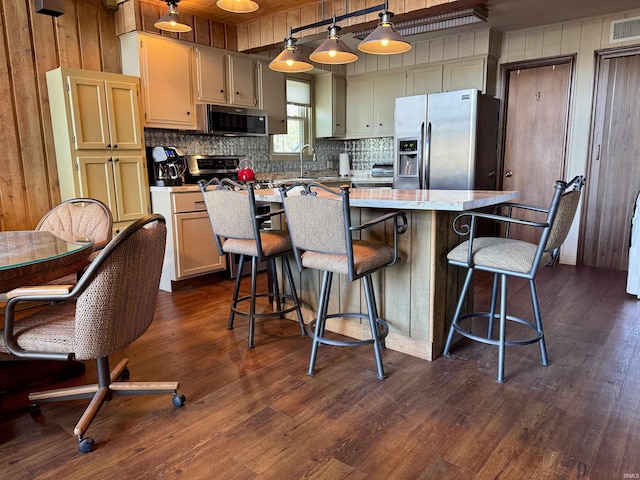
(36, 257)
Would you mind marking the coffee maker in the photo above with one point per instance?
(166, 166)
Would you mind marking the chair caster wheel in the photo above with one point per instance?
(34, 410)
(86, 445)
(125, 375)
(178, 400)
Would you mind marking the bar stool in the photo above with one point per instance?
(508, 257)
(236, 227)
(319, 222)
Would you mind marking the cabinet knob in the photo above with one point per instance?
(367, 125)
(115, 145)
(110, 159)
(237, 93)
(379, 124)
(221, 91)
(116, 159)
(108, 145)
(188, 113)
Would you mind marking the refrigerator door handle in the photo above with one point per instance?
(426, 157)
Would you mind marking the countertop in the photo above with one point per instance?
(444, 200)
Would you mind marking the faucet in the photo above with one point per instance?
(313, 150)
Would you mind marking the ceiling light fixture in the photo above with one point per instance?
(238, 6)
(171, 21)
(333, 50)
(384, 40)
(290, 60)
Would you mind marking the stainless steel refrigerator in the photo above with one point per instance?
(446, 141)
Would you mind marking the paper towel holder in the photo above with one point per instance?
(345, 169)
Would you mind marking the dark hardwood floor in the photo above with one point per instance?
(257, 414)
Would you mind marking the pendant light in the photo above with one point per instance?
(333, 50)
(238, 6)
(290, 60)
(384, 40)
(171, 21)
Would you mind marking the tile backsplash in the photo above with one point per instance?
(363, 153)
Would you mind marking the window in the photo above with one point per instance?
(299, 121)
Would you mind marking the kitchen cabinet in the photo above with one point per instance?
(463, 74)
(242, 81)
(371, 103)
(165, 70)
(272, 97)
(191, 249)
(424, 80)
(360, 106)
(330, 105)
(98, 140)
(211, 76)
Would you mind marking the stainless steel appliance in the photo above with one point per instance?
(166, 166)
(231, 121)
(446, 141)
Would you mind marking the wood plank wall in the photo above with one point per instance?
(31, 44)
(85, 36)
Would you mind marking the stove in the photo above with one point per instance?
(206, 167)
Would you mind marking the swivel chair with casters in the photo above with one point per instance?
(319, 221)
(112, 305)
(237, 228)
(80, 218)
(507, 257)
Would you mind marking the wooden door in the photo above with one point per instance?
(88, 113)
(242, 83)
(536, 120)
(211, 76)
(613, 180)
(125, 128)
(131, 186)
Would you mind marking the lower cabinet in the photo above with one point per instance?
(191, 248)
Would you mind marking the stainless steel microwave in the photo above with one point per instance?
(231, 121)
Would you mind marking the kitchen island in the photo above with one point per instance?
(418, 295)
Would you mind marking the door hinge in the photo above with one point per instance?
(67, 86)
(77, 167)
(73, 139)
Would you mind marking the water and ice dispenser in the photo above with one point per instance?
(407, 169)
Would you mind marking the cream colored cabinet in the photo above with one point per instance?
(272, 97)
(424, 80)
(330, 105)
(463, 74)
(99, 146)
(386, 88)
(211, 75)
(190, 249)
(371, 102)
(165, 70)
(360, 106)
(242, 82)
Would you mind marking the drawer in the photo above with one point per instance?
(188, 202)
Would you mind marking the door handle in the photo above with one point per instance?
(508, 173)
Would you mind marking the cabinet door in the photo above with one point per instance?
(196, 251)
(424, 80)
(166, 72)
(386, 89)
(125, 128)
(360, 106)
(339, 106)
(211, 73)
(89, 123)
(273, 98)
(465, 74)
(95, 180)
(242, 83)
(131, 187)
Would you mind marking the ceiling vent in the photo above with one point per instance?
(625, 30)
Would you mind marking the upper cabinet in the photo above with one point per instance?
(330, 105)
(371, 101)
(210, 74)
(272, 97)
(242, 82)
(165, 71)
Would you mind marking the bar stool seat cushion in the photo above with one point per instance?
(367, 256)
(274, 242)
(499, 253)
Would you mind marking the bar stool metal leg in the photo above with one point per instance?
(373, 323)
(236, 292)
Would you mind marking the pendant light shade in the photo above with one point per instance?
(171, 21)
(384, 40)
(290, 60)
(238, 6)
(333, 50)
